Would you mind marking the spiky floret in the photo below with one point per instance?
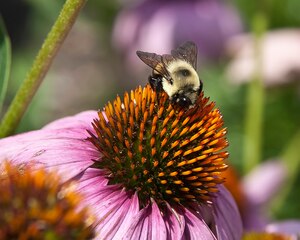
(150, 147)
(34, 205)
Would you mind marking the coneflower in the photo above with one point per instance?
(149, 170)
(35, 205)
(160, 153)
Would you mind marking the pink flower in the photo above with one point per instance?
(128, 206)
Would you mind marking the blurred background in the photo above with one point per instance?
(249, 62)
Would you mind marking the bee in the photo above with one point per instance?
(175, 74)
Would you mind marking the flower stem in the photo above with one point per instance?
(5, 62)
(255, 101)
(40, 66)
(291, 158)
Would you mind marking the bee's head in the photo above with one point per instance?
(185, 97)
(181, 100)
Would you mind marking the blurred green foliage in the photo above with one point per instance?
(280, 13)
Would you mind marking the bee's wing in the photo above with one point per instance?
(154, 61)
(188, 52)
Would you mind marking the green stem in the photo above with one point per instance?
(291, 158)
(255, 101)
(5, 63)
(40, 66)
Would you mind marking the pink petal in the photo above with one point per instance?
(114, 208)
(226, 216)
(63, 150)
(115, 212)
(175, 223)
(148, 224)
(170, 224)
(196, 228)
(128, 211)
(91, 180)
(81, 120)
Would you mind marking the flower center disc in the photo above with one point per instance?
(159, 151)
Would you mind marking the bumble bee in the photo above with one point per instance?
(175, 74)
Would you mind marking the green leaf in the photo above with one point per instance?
(5, 61)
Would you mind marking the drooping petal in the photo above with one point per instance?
(115, 208)
(196, 228)
(226, 216)
(115, 212)
(175, 223)
(148, 224)
(128, 211)
(64, 150)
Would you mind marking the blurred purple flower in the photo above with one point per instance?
(269, 176)
(63, 146)
(280, 62)
(159, 26)
(258, 189)
(290, 227)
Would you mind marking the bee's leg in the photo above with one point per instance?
(201, 87)
(155, 83)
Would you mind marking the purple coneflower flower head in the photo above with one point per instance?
(35, 205)
(147, 169)
(159, 26)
